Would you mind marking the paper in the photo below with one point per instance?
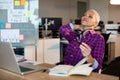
(6, 4)
(17, 3)
(21, 37)
(67, 70)
(29, 14)
(23, 2)
(8, 25)
(10, 35)
(17, 16)
(2, 25)
(32, 62)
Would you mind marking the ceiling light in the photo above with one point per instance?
(115, 2)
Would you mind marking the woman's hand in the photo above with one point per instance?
(86, 50)
(77, 27)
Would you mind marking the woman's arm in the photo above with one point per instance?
(95, 55)
(99, 52)
(68, 32)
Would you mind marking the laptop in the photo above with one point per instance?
(9, 62)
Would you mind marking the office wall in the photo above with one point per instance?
(67, 9)
(114, 13)
(107, 11)
(102, 7)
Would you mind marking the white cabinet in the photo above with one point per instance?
(113, 48)
(30, 53)
(48, 50)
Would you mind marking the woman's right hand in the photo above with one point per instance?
(85, 49)
(77, 27)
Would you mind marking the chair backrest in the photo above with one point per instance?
(106, 36)
(110, 22)
(105, 59)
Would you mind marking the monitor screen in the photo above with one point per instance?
(52, 23)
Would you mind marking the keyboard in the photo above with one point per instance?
(24, 69)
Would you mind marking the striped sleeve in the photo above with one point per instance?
(99, 51)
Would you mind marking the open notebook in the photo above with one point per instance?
(8, 61)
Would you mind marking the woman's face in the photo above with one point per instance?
(89, 19)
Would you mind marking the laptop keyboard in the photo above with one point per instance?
(24, 69)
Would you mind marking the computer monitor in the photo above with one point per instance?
(52, 23)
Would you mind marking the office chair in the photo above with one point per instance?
(105, 59)
(113, 68)
(110, 22)
(102, 25)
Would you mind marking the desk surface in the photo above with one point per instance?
(6, 75)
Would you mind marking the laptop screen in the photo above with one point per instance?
(9, 62)
(7, 57)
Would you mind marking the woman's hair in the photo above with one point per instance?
(97, 16)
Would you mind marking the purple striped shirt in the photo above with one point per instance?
(73, 53)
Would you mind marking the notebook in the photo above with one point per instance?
(9, 62)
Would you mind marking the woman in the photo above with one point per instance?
(90, 44)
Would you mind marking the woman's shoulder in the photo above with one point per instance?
(94, 33)
(68, 24)
(65, 26)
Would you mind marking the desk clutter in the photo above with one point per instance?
(23, 60)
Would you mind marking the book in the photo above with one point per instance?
(67, 70)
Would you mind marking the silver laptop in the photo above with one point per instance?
(9, 62)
